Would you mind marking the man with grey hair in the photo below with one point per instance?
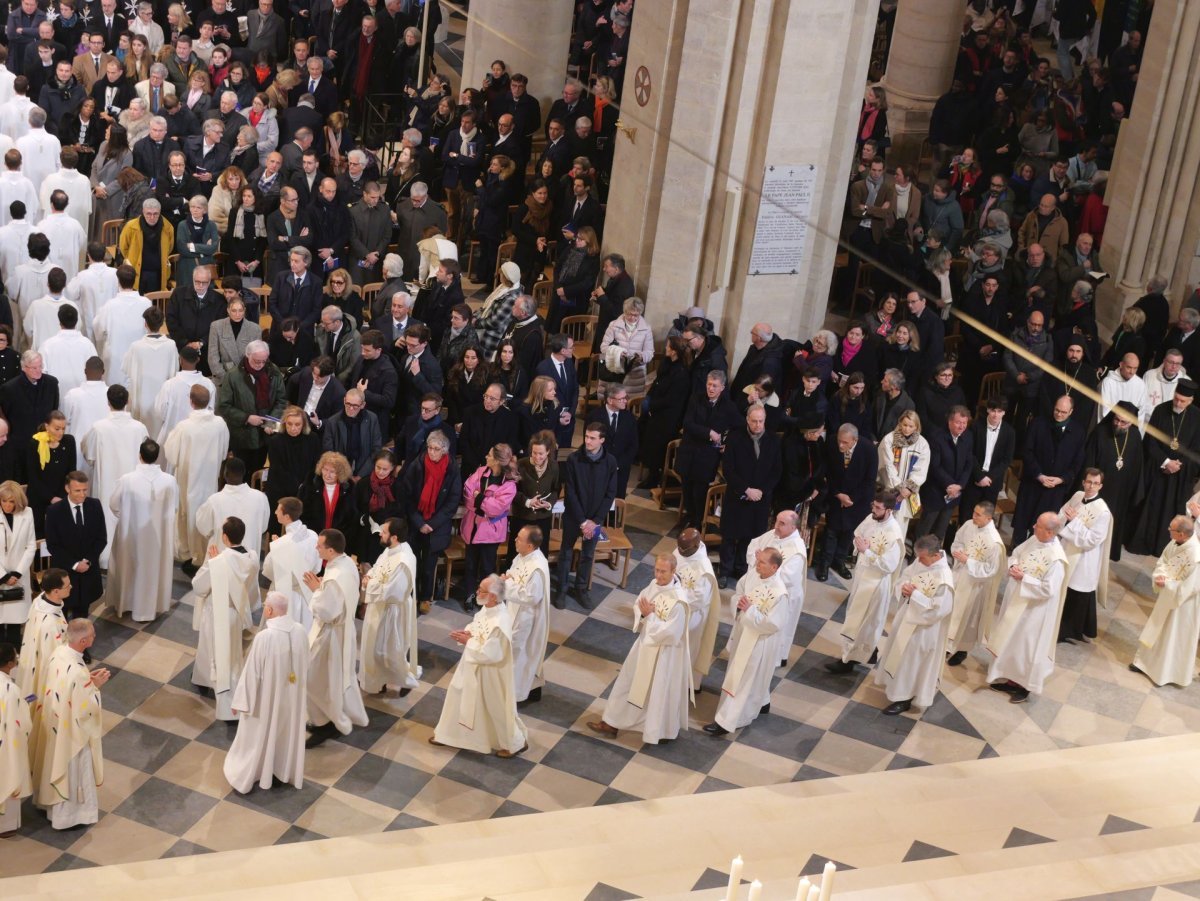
(155, 88)
(892, 401)
(28, 398)
(412, 215)
(765, 357)
(339, 341)
(354, 433)
(150, 154)
(370, 233)
(528, 333)
(1161, 381)
(246, 402)
(206, 156)
(1185, 337)
(233, 121)
(851, 467)
(39, 149)
(1166, 649)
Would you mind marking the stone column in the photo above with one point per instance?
(920, 67)
(1154, 215)
(531, 36)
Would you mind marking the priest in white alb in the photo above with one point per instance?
(335, 703)
(86, 404)
(389, 632)
(14, 238)
(67, 237)
(40, 316)
(235, 499)
(911, 660)
(16, 779)
(172, 403)
(226, 589)
(480, 710)
(92, 287)
(654, 687)
(149, 362)
(761, 604)
(527, 594)
(270, 701)
(68, 764)
(65, 354)
(119, 323)
(1025, 633)
(143, 546)
(111, 449)
(1166, 649)
(699, 580)
(194, 452)
(980, 562)
(1086, 538)
(879, 540)
(290, 556)
(45, 630)
(78, 188)
(785, 538)
(29, 281)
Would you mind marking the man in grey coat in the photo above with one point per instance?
(370, 234)
(412, 216)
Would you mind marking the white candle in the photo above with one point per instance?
(755, 891)
(814, 894)
(735, 879)
(827, 880)
(802, 889)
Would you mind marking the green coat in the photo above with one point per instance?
(235, 402)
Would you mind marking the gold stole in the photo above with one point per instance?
(690, 577)
(929, 583)
(1036, 563)
(764, 598)
(976, 549)
(1181, 569)
(647, 661)
(866, 584)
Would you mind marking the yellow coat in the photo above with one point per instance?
(130, 246)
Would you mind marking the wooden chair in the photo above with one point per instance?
(590, 395)
(671, 483)
(159, 299)
(710, 526)
(369, 293)
(263, 292)
(1007, 505)
(542, 293)
(110, 233)
(953, 346)
(503, 255)
(258, 478)
(991, 386)
(456, 552)
(582, 330)
(616, 546)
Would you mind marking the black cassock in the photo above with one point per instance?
(1123, 486)
(1166, 494)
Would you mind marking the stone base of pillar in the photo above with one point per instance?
(908, 128)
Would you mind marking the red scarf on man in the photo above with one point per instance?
(435, 475)
(260, 381)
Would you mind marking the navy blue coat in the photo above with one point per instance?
(856, 480)
(949, 464)
(742, 518)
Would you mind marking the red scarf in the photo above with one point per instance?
(381, 492)
(254, 117)
(598, 114)
(260, 381)
(849, 352)
(435, 475)
(866, 122)
(330, 503)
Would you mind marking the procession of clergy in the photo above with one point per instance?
(302, 679)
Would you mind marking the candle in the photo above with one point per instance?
(814, 894)
(755, 891)
(735, 879)
(802, 889)
(827, 880)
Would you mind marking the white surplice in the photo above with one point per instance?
(871, 588)
(1026, 630)
(149, 362)
(794, 572)
(1114, 389)
(654, 687)
(194, 452)
(976, 584)
(480, 710)
(1166, 650)
(117, 325)
(78, 188)
(1086, 540)
(389, 632)
(17, 546)
(64, 355)
(173, 402)
(111, 447)
(270, 697)
(28, 283)
(68, 763)
(753, 647)
(527, 593)
(90, 290)
(289, 557)
(14, 122)
(248, 504)
(84, 406)
(16, 778)
(40, 152)
(143, 558)
(40, 319)
(911, 660)
(226, 588)
(68, 240)
(699, 581)
(14, 244)
(333, 694)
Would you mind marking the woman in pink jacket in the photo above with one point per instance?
(487, 497)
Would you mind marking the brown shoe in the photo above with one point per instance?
(433, 741)
(505, 754)
(603, 728)
(424, 607)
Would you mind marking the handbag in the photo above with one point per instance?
(11, 592)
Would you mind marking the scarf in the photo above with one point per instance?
(866, 122)
(150, 233)
(330, 502)
(902, 196)
(849, 353)
(260, 381)
(537, 215)
(239, 224)
(598, 113)
(43, 448)
(381, 492)
(435, 475)
(254, 117)
(571, 265)
(196, 229)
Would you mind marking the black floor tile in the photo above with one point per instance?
(165, 806)
(868, 724)
(487, 772)
(602, 639)
(383, 781)
(781, 736)
(126, 691)
(589, 758)
(141, 747)
(284, 802)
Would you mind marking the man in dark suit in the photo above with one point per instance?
(76, 537)
(560, 366)
(993, 443)
(524, 108)
(853, 463)
(109, 23)
(302, 115)
(567, 109)
(317, 85)
(393, 323)
(307, 178)
(1185, 336)
(622, 441)
(335, 25)
(316, 391)
(484, 426)
(420, 373)
(296, 292)
(891, 402)
(558, 150)
(590, 486)
(932, 332)
(710, 416)
(528, 334)
(753, 465)
(1052, 458)
(376, 377)
(191, 311)
(151, 153)
(27, 399)
(266, 30)
(206, 156)
(617, 288)
(434, 304)
(951, 463)
(582, 209)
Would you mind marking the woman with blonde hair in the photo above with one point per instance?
(904, 465)
(487, 500)
(225, 194)
(136, 120)
(537, 486)
(338, 141)
(540, 409)
(278, 90)
(495, 191)
(627, 346)
(339, 291)
(1127, 339)
(902, 351)
(198, 96)
(328, 498)
(293, 450)
(17, 545)
(178, 21)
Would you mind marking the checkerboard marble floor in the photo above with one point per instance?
(164, 794)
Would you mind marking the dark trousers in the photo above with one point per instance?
(733, 557)
(583, 574)
(837, 545)
(481, 563)
(1079, 616)
(253, 457)
(76, 606)
(695, 491)
(427, 560)
(935, 522)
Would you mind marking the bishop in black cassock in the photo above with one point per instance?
(1115, 448)
(1171, 467)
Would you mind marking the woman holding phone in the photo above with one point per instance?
(537, 487)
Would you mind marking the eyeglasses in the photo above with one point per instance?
(350, 405)
(337, 281)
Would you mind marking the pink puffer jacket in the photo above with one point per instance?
(492, 527)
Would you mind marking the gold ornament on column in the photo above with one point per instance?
(628, 130)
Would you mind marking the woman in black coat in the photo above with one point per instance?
(540, 411)
(378, 499)
(574, 278)
(50, 455)
(431, 488)
(10, 360)
(938, 397)
(902, 351)
(662, 410)
(495, 189)
(466, 383)
(291, 346)
(328, 498)
(849, 406)
(293, 452)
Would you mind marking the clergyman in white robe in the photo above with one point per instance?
(389, 632)
(527, 594)
(654, 687)
(84, 406)
(90, 290)
(41, 319)
(194, 452)
(14, 243)
(334, 701)
(28, 283)
(77, 187)
(111, 448)
(248, 504)
(880, 542)
(911, 660)
(980, 562)
(1166, 650)
(143, 549)
(67, 241)
(1086, 538)
(16, 725)
(785, 538)
(226, 589)
(480, 710)
(172, 404)
(289, 557)
(761, 602)
(148, 363)
(64, 356)
(695, 572)
(270, 701)
(45, 629)
(117, 325)
(40, 152)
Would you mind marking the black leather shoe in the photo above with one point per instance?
(822, 572)
(897, 708)
(874, 657)
(843, 570)
(583, 598)
(468, 605)
(1019, 696)
(715, 730)
(1133, 668)
(723, 582)
(766, 708)
(840, 667)
(535, 695)
(957, 658)
(560, 600)
(320, 734)
(1006, 687)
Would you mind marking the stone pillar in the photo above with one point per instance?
(1154, 215)
(531, 36)
(920, 68)
(736, 87)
